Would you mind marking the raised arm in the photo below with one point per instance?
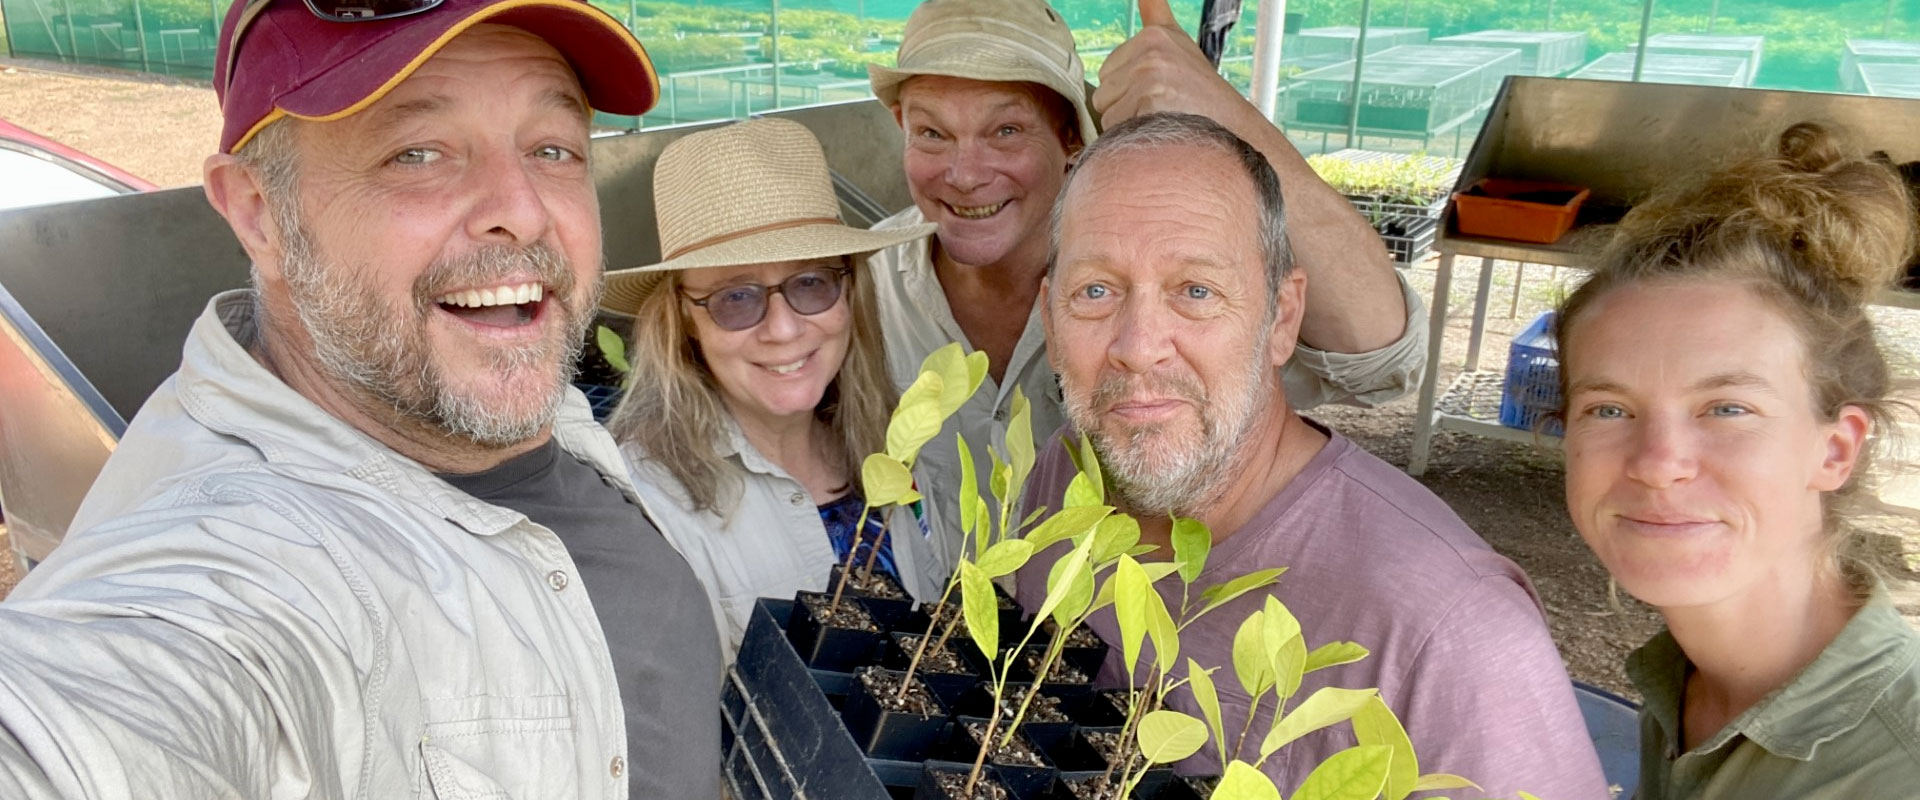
(1354, 301)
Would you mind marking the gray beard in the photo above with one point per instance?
(1149, 475)
(383, 355)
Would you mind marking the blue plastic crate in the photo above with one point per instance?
(1532, 389)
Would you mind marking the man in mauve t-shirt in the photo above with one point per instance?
(1170, 308)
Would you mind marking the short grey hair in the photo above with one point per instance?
(1171, 129)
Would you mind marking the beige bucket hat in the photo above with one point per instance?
(990, 40)
(752, 192)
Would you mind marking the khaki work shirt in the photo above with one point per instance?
(916, 320)
(258, 601)
(772, 544)
(1848, 726)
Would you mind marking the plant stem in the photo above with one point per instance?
(1240, 743)
(993, 723)
(873, 553)
(932, 620)
(847, 568)
(1040, 677)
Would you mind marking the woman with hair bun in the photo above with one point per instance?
(1722, 388)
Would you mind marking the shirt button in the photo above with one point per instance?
(1000, 415)
(798, 498)
(619, 766)
(557, 580)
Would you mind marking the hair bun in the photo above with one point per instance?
(1811, 147)
(1846, 220)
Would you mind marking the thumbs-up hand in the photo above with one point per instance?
(1162, 69)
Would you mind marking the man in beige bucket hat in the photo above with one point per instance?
(992, 99)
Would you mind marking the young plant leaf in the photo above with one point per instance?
(1333, 654)
(976, 370)
(1080, 493)
(1075, 561)
(1224, 593)
(1191, 541)
(1130, 590)
(1020, 453)
(1286, 650)
(1004, 557)
(969, 487)
(1031, 516)
(1440, 780)
(1155, 570)
(1250, 662)
(981, 609)
(1160, 628)
(886, 480)
(955, 382)
(1327, 706)
(1114, 536)
(1141, 550)
(1375, 724)
(1200, 682)
(1242, 782)
(612, 348)
(1168, 736)
(1356, 773)
(916, 419)
(1074, 587)
(1089, 463)
(999, 481)
(1070, 523)
(1073, 453)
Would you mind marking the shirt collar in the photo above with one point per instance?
(1829, 697)
(223, 387)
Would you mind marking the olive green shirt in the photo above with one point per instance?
(1848, 726)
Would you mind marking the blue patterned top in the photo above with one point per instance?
(840, 516)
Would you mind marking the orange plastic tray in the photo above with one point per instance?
(1498, 216)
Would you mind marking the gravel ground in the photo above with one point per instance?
(1510, 493)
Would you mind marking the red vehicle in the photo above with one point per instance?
(35, 170)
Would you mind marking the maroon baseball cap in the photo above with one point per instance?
(291, 62)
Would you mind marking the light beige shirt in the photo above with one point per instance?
(259, 601)
(772, 544)
(916, 320)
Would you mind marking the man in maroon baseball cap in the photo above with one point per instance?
(368, 541)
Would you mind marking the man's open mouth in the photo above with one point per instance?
(504, 306)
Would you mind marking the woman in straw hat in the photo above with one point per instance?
(759, 379)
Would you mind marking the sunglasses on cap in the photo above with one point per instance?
(330, 10)
(737, 308)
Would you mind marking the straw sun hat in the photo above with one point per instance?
(754, 192)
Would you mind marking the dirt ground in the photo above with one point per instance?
(1510, 493)
(156, 127)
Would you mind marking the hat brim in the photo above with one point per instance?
(980, 65)
(613, 67)
(626, 288)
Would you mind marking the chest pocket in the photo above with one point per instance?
(499, 748)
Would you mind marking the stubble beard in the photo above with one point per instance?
(1158, 471)
(383, 354)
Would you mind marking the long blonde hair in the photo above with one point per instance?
(672, 408)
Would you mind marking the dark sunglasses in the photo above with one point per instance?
(330, 10)
(737, 308)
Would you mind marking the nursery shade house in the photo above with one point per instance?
(1660, 68)
(1546, 53)
(1700, 44)
(1417, 90)
(1870, 64)
(1316, 47)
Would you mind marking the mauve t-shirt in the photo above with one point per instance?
(1460, 650)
